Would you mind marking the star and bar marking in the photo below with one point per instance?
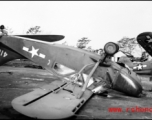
(34, 52)
(3, 53)
(139, 67)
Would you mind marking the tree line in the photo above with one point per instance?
(126, 44)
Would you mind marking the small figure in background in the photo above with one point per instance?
(144, 56)
(3, 30)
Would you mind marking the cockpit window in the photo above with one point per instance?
(61, 69)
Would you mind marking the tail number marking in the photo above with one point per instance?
(3, 53)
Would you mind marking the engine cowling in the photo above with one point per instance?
(127, 84)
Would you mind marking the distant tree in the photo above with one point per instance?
(9, 30)
(127, 44)
(34, 30)
(130, 46)
(89, 48)
(65, 43)
(82, 43)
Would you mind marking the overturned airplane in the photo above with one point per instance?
(67, 94)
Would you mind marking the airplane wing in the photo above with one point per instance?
(145, 40)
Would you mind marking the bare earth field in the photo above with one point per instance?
(18, 78)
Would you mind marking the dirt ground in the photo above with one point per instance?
(19, 78)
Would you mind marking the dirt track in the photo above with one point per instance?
(15, 81)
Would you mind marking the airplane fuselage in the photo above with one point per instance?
(47, 55)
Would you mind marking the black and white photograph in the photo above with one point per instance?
(75, 60)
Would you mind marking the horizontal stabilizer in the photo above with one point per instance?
(47, 38)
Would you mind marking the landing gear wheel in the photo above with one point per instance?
(111, 48)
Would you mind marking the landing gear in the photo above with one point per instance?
(110, 49)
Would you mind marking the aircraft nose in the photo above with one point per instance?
(128, 85)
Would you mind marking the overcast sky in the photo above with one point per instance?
(100, 21)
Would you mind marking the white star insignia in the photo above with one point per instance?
(34, 51)
(139, 67)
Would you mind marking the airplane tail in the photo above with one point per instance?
(7, 54)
